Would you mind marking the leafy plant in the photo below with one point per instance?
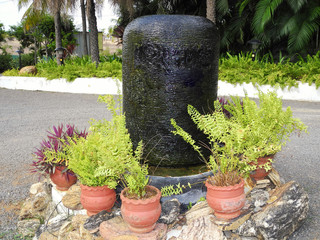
(135, 178)
(102, 157)
(226, 139)
(52, 152)
(240, 69)
(268, 125)
(173, 190)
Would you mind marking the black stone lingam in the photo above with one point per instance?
(169, 61)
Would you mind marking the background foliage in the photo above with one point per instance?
(290, 26)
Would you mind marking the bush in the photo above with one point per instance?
(26, 60)
(5, 62)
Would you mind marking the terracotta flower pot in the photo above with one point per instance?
(63, 180)
(226, 202)
(141, 215)
(96, 199)
(260, 173)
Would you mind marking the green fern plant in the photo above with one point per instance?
(133, 174)
(101, 159)
(269, 125)
(226, 139)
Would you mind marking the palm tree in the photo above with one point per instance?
(93, 31)
(84, 27)
(211, 10)
(54, 7)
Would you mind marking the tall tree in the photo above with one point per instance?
(84, 27)
(93, 31)
(211, 10)
(54, 7)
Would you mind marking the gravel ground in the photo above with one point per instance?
(25, 116)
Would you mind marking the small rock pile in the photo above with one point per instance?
(274, 210)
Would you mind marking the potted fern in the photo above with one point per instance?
(269, 128)
(225, 189)
(99, 161)
(51, 157)
(140, 206)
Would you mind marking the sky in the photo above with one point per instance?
(9, 15)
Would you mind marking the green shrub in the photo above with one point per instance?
(5, 62)
(26, 60)
(241, 69)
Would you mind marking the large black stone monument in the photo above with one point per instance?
(169, 61)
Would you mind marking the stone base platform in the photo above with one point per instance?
(117, 229)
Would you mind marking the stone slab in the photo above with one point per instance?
(117, 229)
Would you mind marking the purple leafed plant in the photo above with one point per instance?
(56, 140)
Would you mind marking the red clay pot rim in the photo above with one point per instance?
(93, 188)
(141, 201)
(225, 188)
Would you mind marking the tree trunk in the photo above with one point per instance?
(57, 26)
(35, 50)
(211, 15)
(93, 32)
(84, 28)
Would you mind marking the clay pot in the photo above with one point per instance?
(226, 202)
(96, 199)
(142, 214)
(63, 180)
(260, 173)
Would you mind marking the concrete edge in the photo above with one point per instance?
(79, 85)
(303, 92)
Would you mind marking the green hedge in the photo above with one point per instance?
(232, 69)
(5, 62)
(241, 69)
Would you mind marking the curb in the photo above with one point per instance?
(79, 85)
(303, 92)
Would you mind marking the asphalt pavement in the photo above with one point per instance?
(26, 115)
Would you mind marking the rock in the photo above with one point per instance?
(247, 229)
(40, 202)
(71, 229)
(28, 227)
(170, 211)
(264, 183)
(279, 219)
(275, 178)
(50, 211)
(92, 223)
(199, 210)
(26, 210)
(55, 223)
(202, 228)
(259, 198)
(49, 236)
(35, 207)
(28, 70)
(72, 198)
(36, 188)
(232, 224)
(117, 229)
(74, 230)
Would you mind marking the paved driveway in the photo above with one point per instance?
(25, 116)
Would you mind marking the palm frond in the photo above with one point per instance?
(243, 5)
(264, 12)
(296, 5)
(222, 7)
